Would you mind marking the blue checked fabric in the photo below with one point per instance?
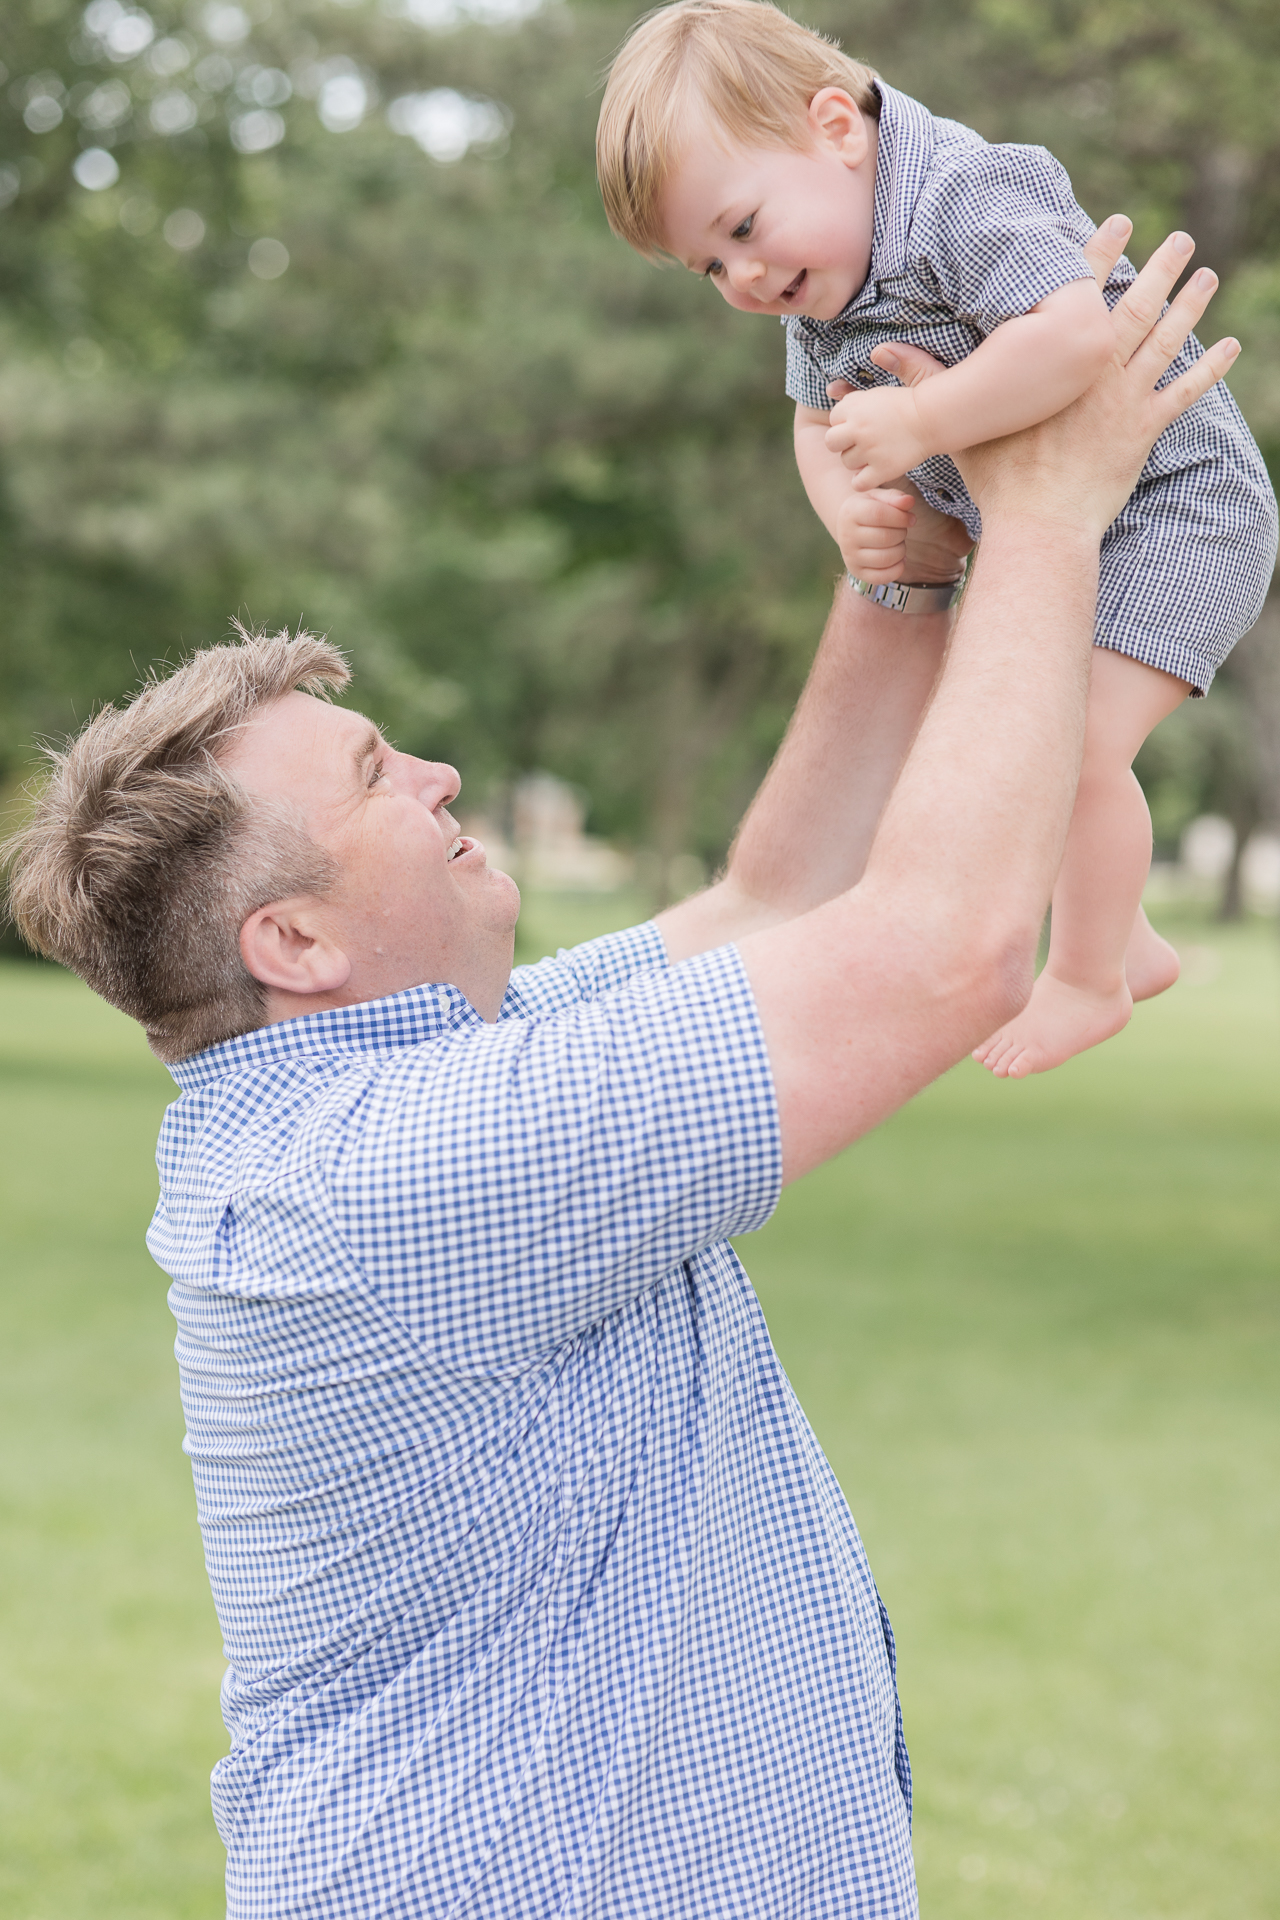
(538, 1594)
(968, 235)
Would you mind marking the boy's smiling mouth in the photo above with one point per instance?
(789, 293)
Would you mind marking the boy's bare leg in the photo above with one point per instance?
(1084, 994)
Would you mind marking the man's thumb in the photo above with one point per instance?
(911, 364)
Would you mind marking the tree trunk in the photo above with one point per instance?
(1216, 206)
(1255, 667)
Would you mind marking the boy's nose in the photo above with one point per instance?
(745, 274)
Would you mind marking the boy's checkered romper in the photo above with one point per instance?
(968, 235)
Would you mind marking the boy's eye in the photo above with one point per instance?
(743, 229)
(713, 270)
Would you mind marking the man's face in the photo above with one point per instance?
(417, 900)
(779, 230)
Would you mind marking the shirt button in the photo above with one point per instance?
(864, 376)
(944, 495)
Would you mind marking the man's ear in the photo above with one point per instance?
(285, 945)
(836, 121)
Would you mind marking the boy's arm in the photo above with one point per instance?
(1025, 372)
(825, 476)
(871, 529)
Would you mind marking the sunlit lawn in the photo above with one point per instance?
(1034, 1326)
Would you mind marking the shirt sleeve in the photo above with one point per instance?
(512, 1186)
(579, 973)
(806, 381)
(996, 230)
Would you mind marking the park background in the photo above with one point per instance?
(308, 312)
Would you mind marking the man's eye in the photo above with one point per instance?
(375, 772)
(714, 270)
(743, 229)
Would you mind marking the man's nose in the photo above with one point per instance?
(437, 783)
(451, 779)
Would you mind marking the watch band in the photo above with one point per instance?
(909, 596)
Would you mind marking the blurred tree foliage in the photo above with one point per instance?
(309, 312)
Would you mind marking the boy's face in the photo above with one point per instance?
(779, 230)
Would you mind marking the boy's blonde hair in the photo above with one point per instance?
(748, 64)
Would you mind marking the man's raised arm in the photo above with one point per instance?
(867, 998)
(809, 830)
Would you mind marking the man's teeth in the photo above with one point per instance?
(456, 848)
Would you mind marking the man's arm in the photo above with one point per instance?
(868, 998)
(806, 835)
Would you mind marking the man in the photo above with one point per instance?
(538, 1595)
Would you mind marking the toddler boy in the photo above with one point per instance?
(765, 159)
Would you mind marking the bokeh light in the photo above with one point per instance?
(95, 169)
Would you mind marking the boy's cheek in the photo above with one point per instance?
(740, 302)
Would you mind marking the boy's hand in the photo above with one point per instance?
(871, 532)
(878, 435)
(890, 533)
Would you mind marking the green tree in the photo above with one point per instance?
(346, 340)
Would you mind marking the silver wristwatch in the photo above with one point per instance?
(909, 596)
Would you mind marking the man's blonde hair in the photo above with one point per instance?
(143, 857)
(747, 64)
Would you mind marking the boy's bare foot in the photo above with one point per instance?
(1057, 1022)
(1151, 965)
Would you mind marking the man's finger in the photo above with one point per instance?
(1165, 340)
(1186, 390)
(911, 364)
(1138, 312)
(1106, 246)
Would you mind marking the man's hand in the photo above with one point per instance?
(1083, 462)
(878, 435)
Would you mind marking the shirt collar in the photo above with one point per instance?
(405, 1019)
(904, 154)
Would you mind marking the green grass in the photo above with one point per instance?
(1034, 1326)
(108, 1694)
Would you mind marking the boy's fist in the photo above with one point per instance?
(871, 532)
(878, 435)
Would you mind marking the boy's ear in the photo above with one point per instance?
(837, 122)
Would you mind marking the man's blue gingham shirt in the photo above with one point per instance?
(966, 236)
(538, 1594)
